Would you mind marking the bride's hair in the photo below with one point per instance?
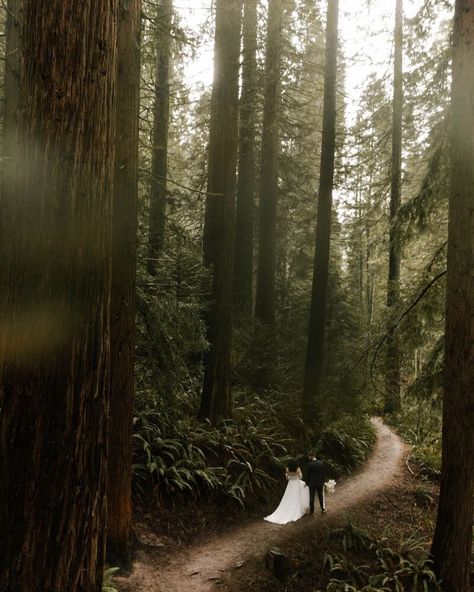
(293, 465)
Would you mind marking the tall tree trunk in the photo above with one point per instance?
(243, 265)
(220, 211)
(10, 113)
(453, 535)
(9, 158)
(265, 294)
(315, 350)
(392, 364)
(54, 301)
(159, 165)
(122, 329)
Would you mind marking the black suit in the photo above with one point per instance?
(315, 479)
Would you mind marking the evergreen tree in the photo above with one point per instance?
(216, 400)
(267, 225)
(453, 535)
(10, 112)
(243, 267)
(55, 245)
(122, 328)
(392, 376)
(159, 166)
(314, 355)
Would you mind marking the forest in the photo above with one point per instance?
(236, 240)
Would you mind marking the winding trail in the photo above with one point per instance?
(198, 566)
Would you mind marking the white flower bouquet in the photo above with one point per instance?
(330, 486)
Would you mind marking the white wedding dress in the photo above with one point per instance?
(294, 503)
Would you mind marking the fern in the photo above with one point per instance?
(107, 583)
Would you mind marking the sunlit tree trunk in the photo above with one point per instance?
(453, 535)
(265, 293)
(219, 224)
(243, 265)
(392, 362)
(122, 328)
(311, 402)
(159, 166)
(55, 234)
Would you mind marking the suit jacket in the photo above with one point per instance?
(316, 473)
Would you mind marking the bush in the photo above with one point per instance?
(241, 458)
(231, 461)
(346, 443)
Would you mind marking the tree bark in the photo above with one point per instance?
(220, 211)
(122, 329)
(159, 166)
(243, 266)
(9, 151)
(311, 403)
(10, 113)
(453, 535)
(392, 364)
(265, 293)
(54, 301)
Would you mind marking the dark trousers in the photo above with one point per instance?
(312, 492)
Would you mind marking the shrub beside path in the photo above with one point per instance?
(199, 566)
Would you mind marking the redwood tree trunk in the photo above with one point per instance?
(453, 535)
(122, 329)
(315, 350)
(10, 112)
(54, 301)
(392, 363)
(220, 211)
(265, 295)
(9, 156)
(159, 165)
(243, 267)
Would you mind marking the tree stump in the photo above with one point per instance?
(276, 561)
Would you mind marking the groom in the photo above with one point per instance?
(315, 479)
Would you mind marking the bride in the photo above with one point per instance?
(295, 501)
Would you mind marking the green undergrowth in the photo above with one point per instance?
(355, 560)
(360, 562)
(179, 457)
(420, 426)
(108, 583)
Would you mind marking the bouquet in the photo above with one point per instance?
(330, 486)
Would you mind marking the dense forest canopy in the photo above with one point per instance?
(231, 232)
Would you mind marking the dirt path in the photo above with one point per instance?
(197, 567)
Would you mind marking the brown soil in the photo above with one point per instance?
(232, 560)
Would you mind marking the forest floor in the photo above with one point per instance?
(380, 498)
